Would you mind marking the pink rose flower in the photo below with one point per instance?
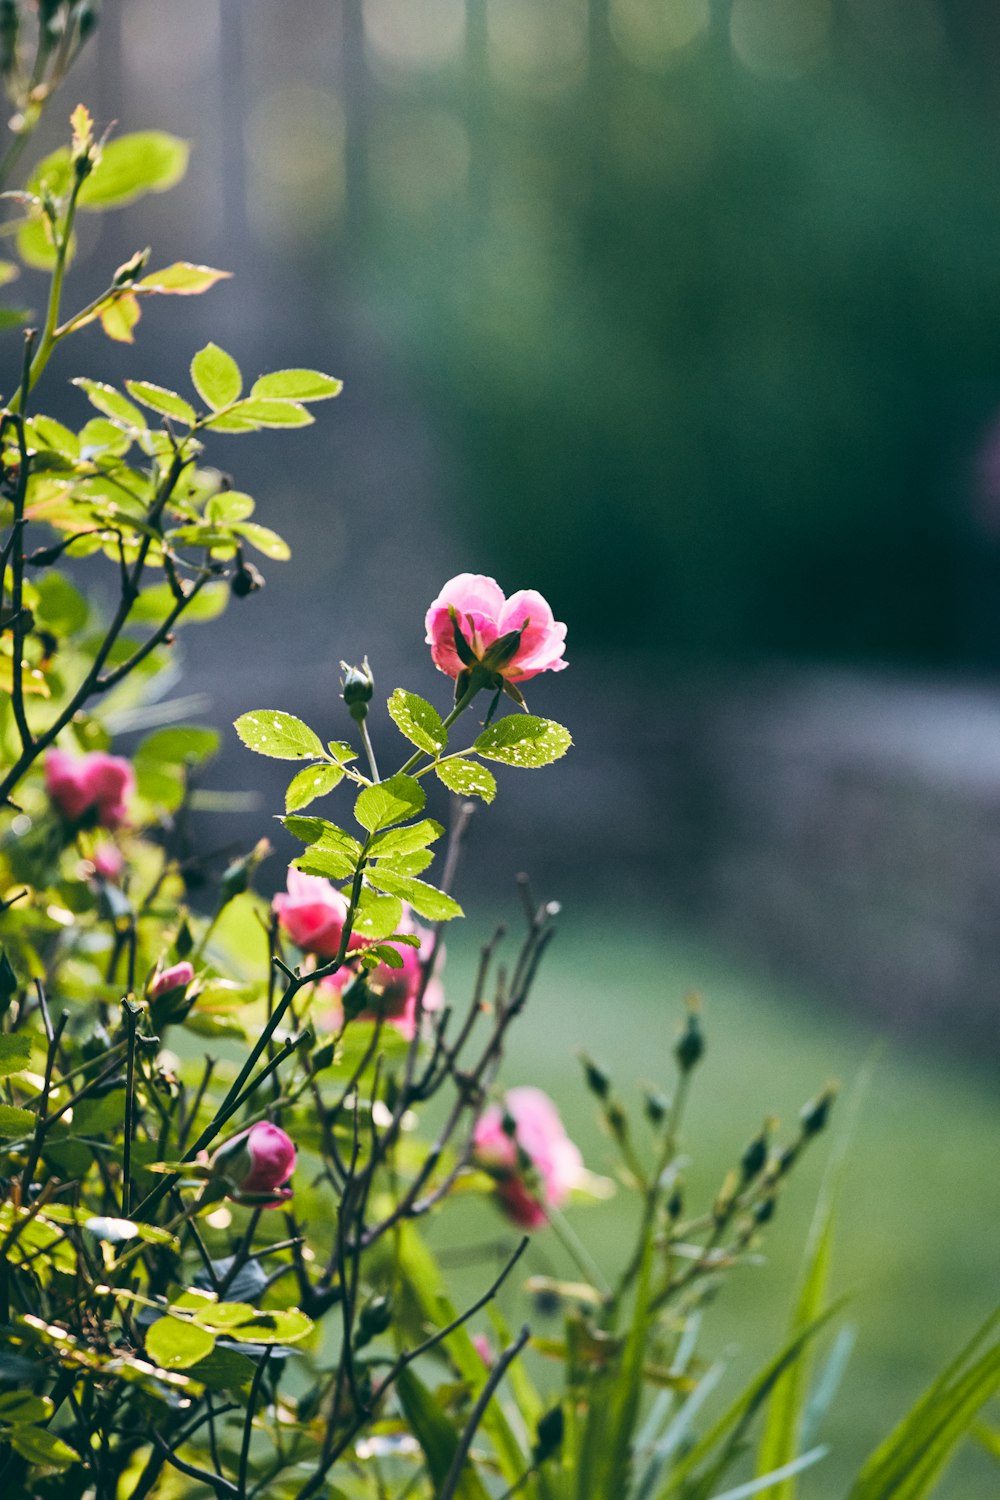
(108, 861)
(556, 1163)
(176, 978)
(312, 913)
(257, 1164)
(484, 616)
(95, 782)
(396, 990)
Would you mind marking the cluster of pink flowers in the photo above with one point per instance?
(312, 912)
(477, 607)
(95, 785)
(537, 1165)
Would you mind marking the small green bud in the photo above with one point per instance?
(548, 1435)
(373, 1319)
(690, 1046)
(236, 878)
(754, 1156)
(675, 1203)
(133, 267)
(815, 1114)
(764, 1210)
(247, 579)
(356, 687)
(597, 1080)
(657, 1107)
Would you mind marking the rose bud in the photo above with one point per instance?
(256, 1165)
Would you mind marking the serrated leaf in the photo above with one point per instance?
(147, 161)
(332, 864)
(296, 385)
(467, 779)
(15, 1053)
(182, 279)
(160, 399)
(15, 1122)
(523, 740)
(377, 916)
(405, 840)
(313, 782)
(427, 900)
(175, 1344)
(273, 413)
(40, 1446)
(269, 731)
(264, 539)
(386, 954)
(389, 802)
(111, 402)
(229, 506)
(418, 720)
(323, 835)
(119, 317)
(216, 376)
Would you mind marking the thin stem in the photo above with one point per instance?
(131, 1021)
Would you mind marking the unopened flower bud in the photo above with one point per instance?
(548, 1435)
(764, 1211)
(356, 687)
(133, 267)
(597, 1080)
(236, 878)
(755, 1155)
(690, 1047)
(815, 1114)
(247, 579)
(657, 1107)
(254, 1166)
(178, 977)
(373, 1319)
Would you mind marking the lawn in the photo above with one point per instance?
(921, 1198)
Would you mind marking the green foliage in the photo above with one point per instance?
(279, 735)
(523, 740)
(419, 721)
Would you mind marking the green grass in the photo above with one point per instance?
(917, 1237)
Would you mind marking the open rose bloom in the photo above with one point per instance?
(95, 784)
(556, 1166)
(312, 913)
(257, 1164)
(477, 607)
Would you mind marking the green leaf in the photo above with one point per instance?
(285, 1327)
(313, 782)
(908, 1464)
(282, 736)
(229, 506)
(425, 899)
(296, 385)
(39, 1446)
(418, 720)
(377, 917)
(178, 745)
(16, 1122)
(15, 1053)
(148, 161)
(220, 1317)
(405, 840)
(264, 539)
(182, 279)
(779, 1445)
(726, 1433)
(160, 399)
(389, 802)
(332, 864)
(467, 778)
(22, 1406)
(216, 376)
(34, 243)
(437, 1436)
(523, 740)
(323, 835)
(274, 413)
(112, 403)
(341, 751)
(155, 603)
(175, 1344)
